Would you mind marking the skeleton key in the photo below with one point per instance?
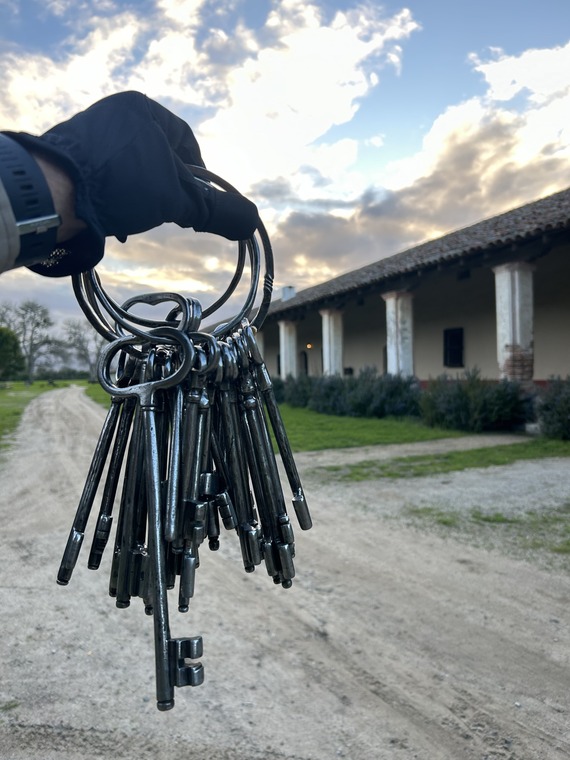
(133, 521)
(77, 532)
(222, 502)
(215, 478)
(145, 395)
(198, 409)
(238, 483)
(105, 518)
(131, 495)
(278, 544)
(195, 507)
(174, 469)
(265, 385)
(183, 539)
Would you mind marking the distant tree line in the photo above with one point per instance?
(31, 348)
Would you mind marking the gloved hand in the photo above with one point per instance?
(128, 158)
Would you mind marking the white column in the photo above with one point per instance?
(399, 332)
(332, 341)
(288, 348)
(514, 304)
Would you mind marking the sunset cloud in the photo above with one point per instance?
(280, 95)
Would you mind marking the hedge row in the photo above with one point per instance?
(467, 402)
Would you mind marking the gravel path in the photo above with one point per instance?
(394, 642)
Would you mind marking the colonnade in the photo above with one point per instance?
(514, 320)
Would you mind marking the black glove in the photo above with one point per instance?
(128, 157)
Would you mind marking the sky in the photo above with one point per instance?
(359, 129)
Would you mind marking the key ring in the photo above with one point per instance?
(112, 320)
(144, 390)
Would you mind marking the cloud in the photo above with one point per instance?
(312, 248)
(542, 73)
(480, 157)
(40, 90)
(266, 98)
(56, 294)
(262, 88)
(285, 97)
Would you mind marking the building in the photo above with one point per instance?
(493, 296)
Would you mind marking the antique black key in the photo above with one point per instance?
(145, 393)
(77, 533)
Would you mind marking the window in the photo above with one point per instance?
(453, 347)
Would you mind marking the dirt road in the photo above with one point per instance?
(393, 643)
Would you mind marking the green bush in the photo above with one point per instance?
(462, 403)
(373, 395)
(329, 395)
(472, 404)
(367, 395)
(553, 409)
(298, 391)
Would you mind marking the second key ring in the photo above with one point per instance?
(143, 390)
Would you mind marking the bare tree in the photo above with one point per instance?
(30, 321)
(85, 344)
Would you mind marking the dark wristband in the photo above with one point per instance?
(31, 202)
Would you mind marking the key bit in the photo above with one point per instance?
(188, 574)
(302, 510)
(102, 532)
(285, 552)
(286, 529)
(267, 548)
(226, 510)
(183, 672)
(209, 484)
(213, 526)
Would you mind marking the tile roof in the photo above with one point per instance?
(519, 225)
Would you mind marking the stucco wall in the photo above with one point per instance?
(441, 300)
(552, 315)
(365, 334)
(445, 301)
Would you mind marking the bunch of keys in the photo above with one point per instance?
(187, 444)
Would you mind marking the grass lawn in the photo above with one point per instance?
(433, 464)
(311, 431)
(14, 397)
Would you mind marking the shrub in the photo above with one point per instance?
(368, 395)
(553, 409)
(373, 395)
(329, 395)
(298, 391)
(506, 406)
(472, 404)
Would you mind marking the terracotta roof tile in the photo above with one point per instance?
(520, 224)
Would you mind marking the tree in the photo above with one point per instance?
(11, 359)
(85, 343)
(30, 321)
